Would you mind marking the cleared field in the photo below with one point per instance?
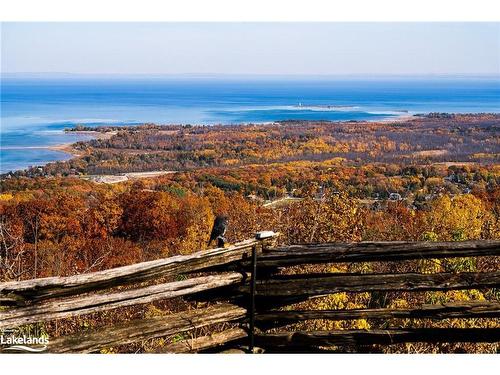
(147, 174)
(116, 178)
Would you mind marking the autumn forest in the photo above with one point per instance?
(432, 177)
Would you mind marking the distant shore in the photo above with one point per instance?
(402, 118)
(68, 147)
(64, 147)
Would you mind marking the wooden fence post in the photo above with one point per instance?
(257, 248)
(251, 310)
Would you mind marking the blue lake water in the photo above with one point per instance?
(34, 112)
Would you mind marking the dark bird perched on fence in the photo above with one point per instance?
(218, 231)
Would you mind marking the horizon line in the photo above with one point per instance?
(42, 75)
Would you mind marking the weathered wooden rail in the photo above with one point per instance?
(374, 251)
(93, 303)
(320, 284)
(385, 336)
(240, 280)
(470, 309)
(143, 329)
(52, 287)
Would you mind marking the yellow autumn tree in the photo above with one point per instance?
(456, 219)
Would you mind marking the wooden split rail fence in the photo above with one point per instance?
(244, 287)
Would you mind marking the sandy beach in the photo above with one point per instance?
(64, 147)
(401, 118)
(68, 147)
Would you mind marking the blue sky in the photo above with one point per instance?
(252, 48)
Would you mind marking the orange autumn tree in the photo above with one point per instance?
(169, 223)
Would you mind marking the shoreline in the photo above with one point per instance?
(401, 118)
(64, 147)
(68, 147)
